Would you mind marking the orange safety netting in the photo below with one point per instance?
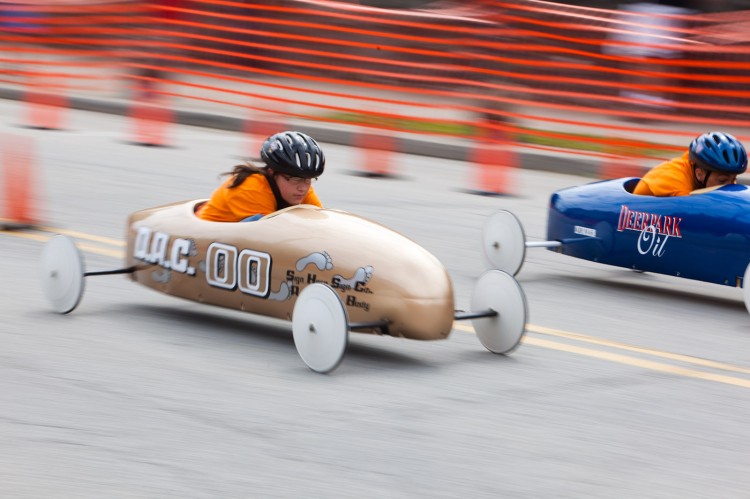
(551, 75)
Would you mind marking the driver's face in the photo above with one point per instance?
(716, 178)
(292, 189)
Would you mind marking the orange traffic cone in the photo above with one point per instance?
(494, 161)
(17, 164)
(378, 150)
(150, 110)
(45, 103)
(151, 118)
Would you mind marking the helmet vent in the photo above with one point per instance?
(293, 153)
(718, 151)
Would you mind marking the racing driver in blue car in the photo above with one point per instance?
(713, 159)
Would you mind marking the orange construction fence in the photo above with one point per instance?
(556, 76)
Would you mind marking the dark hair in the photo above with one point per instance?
(241, 172)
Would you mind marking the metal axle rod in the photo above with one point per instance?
(460, 315)
(128, 270)
(543, 244)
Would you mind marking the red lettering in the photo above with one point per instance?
(631, 219)
(621, 221)
(637, 220)
(644, 221)
(676, 229)
(640, 221)
(667, 228)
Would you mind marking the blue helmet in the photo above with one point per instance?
(719, 152)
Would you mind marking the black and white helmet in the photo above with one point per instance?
(293, 153)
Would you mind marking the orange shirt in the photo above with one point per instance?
(671, 178)
(252, 197)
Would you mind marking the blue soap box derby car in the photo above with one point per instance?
(604, 222)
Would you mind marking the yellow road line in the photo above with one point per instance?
(622, 346)
(83, 235)
(119, 254)
(642, 363)
(624, 359)
(82, 246)
(25, 235)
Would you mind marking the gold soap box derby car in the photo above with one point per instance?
(328, 271)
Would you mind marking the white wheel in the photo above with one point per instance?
(62, 272)
(320, 326)
(499, 291)
(746, 287)
(504, 242)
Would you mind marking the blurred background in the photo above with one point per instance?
(627, 82)
(627, 385)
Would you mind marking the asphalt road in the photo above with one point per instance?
(626, 385)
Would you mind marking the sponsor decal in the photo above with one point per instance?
(231, 268)
(226, 266)
(641, 220)
(356, 283)
(655, 230)
(158, 248)
(351, 301)
(585, 231)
